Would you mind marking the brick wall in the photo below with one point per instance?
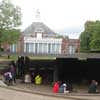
(70, 42)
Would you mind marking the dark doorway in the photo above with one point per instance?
(75, 70)
(43, 67)
(67, 69)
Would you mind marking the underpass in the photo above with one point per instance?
(76, 70)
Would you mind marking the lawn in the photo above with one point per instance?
(42, 57)
(15, 57)
(5, 58)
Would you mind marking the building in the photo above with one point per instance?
(40, 39)
(70, 46)
(44, 42)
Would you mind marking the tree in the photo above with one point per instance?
(84, 42)
(10, 20)
(90, 37)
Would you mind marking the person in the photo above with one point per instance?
(69, 86)
(32, 77)
(93, 87)
(62, 88)
(38, 80)
(8, 78)
(13, 72)
(27, 78)
(56, 87)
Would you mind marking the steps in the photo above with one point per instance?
(4, 64)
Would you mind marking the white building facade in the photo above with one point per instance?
(39, 39)
(41, 45)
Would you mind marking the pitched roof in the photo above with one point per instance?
(38, 27)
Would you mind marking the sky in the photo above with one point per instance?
(66, 17)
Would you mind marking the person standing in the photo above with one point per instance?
(13, 72)
(93, 87)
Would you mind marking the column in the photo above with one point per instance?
(55, 74)
(42, 48)
(34, 48)
(51, 48)
(55, 49)
(24, 47)
(29, 48)
(37, 48)
(47, 48)
(59, 51)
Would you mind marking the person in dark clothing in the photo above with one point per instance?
(69, 87)
(13, 72)
(20, 66)
(26, 64)
(32, 77)
(93, 87)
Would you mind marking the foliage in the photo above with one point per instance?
(10, 19)
(9, 36)
(90, 37)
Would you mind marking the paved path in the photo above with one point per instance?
(2, 83)
(9, 94)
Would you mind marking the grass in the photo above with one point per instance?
(42, 57)
(5, 58)
(15, 57)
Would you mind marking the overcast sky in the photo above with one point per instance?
(62, 16)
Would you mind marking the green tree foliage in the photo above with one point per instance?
(10, 19)
(90, 37)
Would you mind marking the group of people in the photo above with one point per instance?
(62, 87)
(9, 76)
(37, 79)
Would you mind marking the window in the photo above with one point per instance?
(27, 47)
(13, 48)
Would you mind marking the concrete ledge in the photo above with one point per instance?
(71, 96)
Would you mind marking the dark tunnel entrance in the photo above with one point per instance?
(64, 69)
(76, 70)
